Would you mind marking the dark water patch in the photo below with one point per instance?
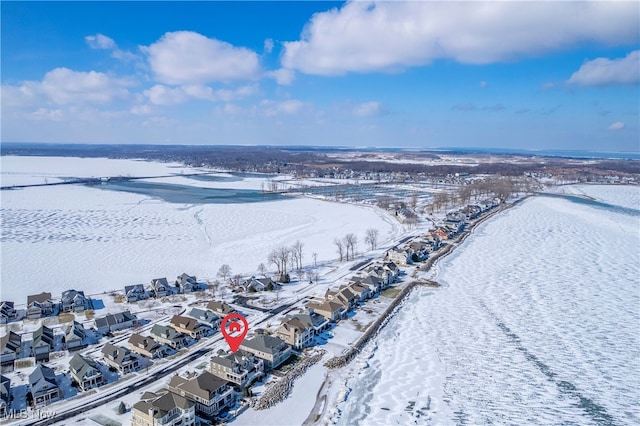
(596, 412)
(595, 203)
(186, 194)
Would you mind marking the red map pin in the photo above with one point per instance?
(238, 327)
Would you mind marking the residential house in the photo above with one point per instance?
(115, 322)
(347, 297)
(258, 284)
(271, 349)
(43, 342)
(168, 336)
(317, 322)
(43, 386)
(74, 301)
(145, 346)
(74, 337)
(330, 309)
(296, 333)
(362, 292)
(10, 347)
(160, 287)
(398, 256)
(210, 393)
(39, 305)
(393, 269)
(373, 283)
(5, 396)
(206, 317)
(85, 372)
(221, 309)
(134, 293)
(188, 326)
(7, 312)
(382, 273)
(187, 283)
(240, 368)
(120, 358)
(163, 408)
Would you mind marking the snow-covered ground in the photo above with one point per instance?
(620, 195)
(537, 323)
(23, 170)
(88, 238)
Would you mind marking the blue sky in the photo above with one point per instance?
(525, 75)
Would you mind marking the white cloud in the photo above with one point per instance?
(288, 107)
(100, 41)
(618, 125)
(283, 76)
(268, 46)
(366, 36)
(46, 114)
(163, 95)
(186, 57)
(63, 86)
(368, 109)
(604, 72)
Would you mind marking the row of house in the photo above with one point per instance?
(160, 287)
(43, 342)
(43, 304)
(205, 395)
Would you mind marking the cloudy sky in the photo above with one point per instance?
(532, 75)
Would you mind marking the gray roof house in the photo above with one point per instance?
(240, 368)
(115, 322)
(163, 408)
(74, 301)
(168, 336)
(258, 284)
(7, 312)
(205, 316)
(296, 333)
(85, 372)
(39, 305)
(134, 293)
(271, 349)
(210, 394)
(188, 326)
(145, 346)
(120, 358)
(160, 287)
(75, 335)
(221, 309)
(10, 347)
(43, 342)
(43, 386)
(187, 283)
(5, 395)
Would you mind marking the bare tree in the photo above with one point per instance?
(236, 279)
(315, 260)
(371, 238)
(350, 241)
(297, 253)
(280, 258)
(384, 201)
(340, 246)
(262, 269)
(273, 258)
(224, 272)
(413, 202)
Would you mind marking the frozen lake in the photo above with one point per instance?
(90, 238)
(538, 322)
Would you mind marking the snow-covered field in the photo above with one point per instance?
(73, 236)
(538, 322)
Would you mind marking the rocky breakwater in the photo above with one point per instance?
(280, 390)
